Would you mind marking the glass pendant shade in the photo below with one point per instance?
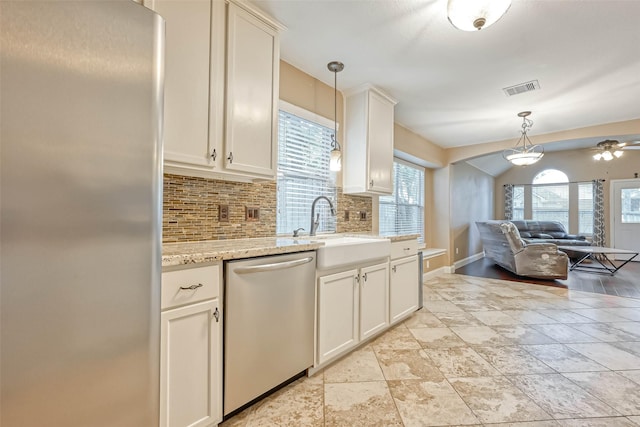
(473, 15)
(609, 149)
(524, 153)
(335, 163)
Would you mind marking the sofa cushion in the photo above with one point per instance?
(525, 235)
(541, 236)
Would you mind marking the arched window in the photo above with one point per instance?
(550, 197)
(550, 176)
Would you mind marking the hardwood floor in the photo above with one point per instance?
(625, 283)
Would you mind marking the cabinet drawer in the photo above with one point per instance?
(404, 248)
(190, 285)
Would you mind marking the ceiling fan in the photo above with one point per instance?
(611, 148)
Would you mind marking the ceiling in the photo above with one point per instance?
(448, 83)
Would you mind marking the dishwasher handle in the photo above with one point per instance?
(272, 267)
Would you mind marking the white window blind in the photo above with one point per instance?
(551, 203)
(518, 202)
(585, 208)
(403, 211)
(304, 150)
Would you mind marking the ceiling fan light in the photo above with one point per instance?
(606, 156)
(473, 15)
(597, 156)
(618, 153)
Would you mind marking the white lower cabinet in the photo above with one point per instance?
(374, 299)
(352, 306)
(191, 348)
(338, 304)
(403, 287)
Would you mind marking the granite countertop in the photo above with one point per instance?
(220, 250)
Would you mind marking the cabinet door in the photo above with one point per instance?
(380, 141)
(252, 93)
(194, 58)
(374, 299)
(191, 366)
(337, 314)
(404, 287)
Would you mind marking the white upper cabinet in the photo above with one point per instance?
(253, 57)
(217, 126)
(194, 82)
(369, 142)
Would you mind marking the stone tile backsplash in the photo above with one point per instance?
(191, 210)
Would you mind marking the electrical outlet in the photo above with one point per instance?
(363, 215)
(427, 264)
(457, 251)
(223, 213)
(252, 214)
(346, 215)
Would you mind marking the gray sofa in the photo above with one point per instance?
(548, 232)
(502, 243)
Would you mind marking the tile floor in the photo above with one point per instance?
(480, 352)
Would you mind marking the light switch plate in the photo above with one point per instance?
(223, 213)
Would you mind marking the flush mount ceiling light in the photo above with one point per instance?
(524, 153)
(472, 15)
(335, 163)
(609, 149)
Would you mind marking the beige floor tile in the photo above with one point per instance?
(598, 422)
(436, 337)
(539, 304)
(441, 307)
(423, 319)
(494, 318)
(408, 365)
(359, 404)
(458, 319)
(549, 423)
(632, 375)
(608, 355)
(360, 365)
(513, 360)
(564, 333)
(635, 420)
(629, 327)
(627, 313)
(567, 304)
(396, 338)
(478, 304)
(530, 317)
(561, 398)
(522, 334)
(605, 332)
(480, 336)
(562, 358)
(605, 301)
(430, 403)
(598, 315)
(495, 399)
(566, 316)
(300, 403)
(619, 392)
(460, 362)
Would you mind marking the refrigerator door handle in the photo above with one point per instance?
(272, 267)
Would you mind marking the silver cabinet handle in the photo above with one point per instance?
(191, 288)
(394, 268)
(365, 277)
(216, 315)
(230, 158)
(214, 155)
(371, 183)
(273, 267)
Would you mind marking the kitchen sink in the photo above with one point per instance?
(345, 250)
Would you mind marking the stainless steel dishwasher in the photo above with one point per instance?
(269, 312)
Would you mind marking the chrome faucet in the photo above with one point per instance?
(314, 224)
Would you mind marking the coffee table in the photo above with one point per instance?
(600, 255)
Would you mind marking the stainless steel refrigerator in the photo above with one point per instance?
(80, 213)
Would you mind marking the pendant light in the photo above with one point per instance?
(524, 153)
(473, 15)
(335, 164)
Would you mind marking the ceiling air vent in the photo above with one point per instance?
(521, 88)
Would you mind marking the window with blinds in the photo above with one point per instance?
(403, 211)
(518, 202)
(585, 208)
(550, 203)
(304, 148)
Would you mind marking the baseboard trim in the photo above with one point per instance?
(435, 273)
(467, 260)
